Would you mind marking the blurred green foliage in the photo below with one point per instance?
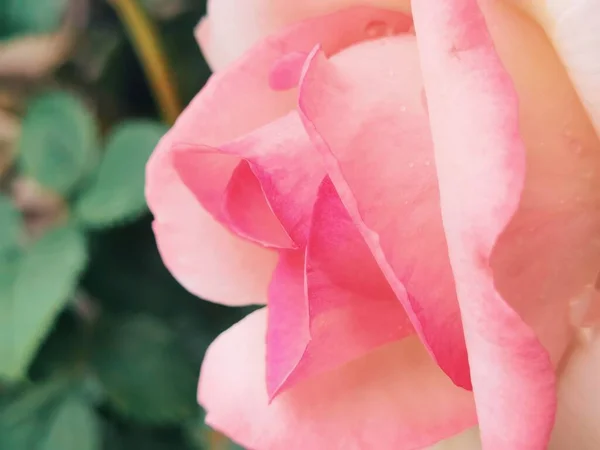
(100, 348)
(31, 16)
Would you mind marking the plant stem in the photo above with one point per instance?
(147, 44)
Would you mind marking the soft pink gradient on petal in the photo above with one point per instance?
(270, 193)
(286, 72)
(480, 161)
(467, 440)
(573, 27)
(202, 33)
(220, 121)
(204, 257)
(549, 254)
(579, 397)
(331, 309)
(381, 162)
(245, 209)
(393, 398)
(235, 26)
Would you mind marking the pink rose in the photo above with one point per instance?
(415, 196)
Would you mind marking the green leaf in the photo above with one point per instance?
(48, 417)
(58, 145)
(23, 420)
(34, 294)
(143, 437)
(63, 350)
(145, 371)
(10, 225)
(32, 16)
(117, 193)
(73, 426)
(31, 400)
(11, 364)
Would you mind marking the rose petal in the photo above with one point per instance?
(247, 102)
(394, 398)
(235, 26)
(550, 251)
(578, 399)
(206, 258)
(480, 160)
(346, 310)
(573, 27)
(467, 440)
(286, 72)
(202, 34)
(267, 197)
(381, 162)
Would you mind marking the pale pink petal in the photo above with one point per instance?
(579, 398)
(550, 252)
(202, 33)
(286, 72)
(205, 258)
(364, 111)
(331, 309)
(393, 398)
(236, 25)
(232, 104)
(467, 440)
(209, 155)
(573, 27)
(480, 161)
(270, 193)
(247, 211)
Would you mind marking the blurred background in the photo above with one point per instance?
(100, 347)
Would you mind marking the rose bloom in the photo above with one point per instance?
(413, 191)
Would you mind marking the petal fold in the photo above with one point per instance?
(393, 398)
(261, 186)
(579, 397)
(573, 27)
(236, 26)
(480, 161)
(364, 111)
(330, 306)
(234, 103)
